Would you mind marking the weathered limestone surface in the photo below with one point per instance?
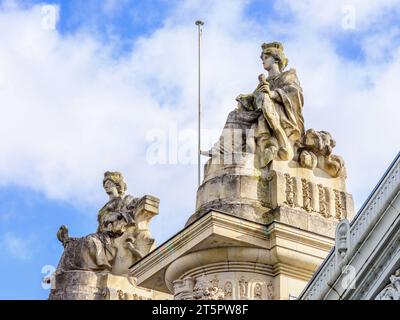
(97, 266)
(265, 158)
(89, 285)
(222, 256)
(254, 194)
(266, 211)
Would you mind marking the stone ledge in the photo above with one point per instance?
(303, 220)
(89, 285)
(219, 240)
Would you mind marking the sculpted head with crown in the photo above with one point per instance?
(272, 54)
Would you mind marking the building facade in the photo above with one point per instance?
(365, 262)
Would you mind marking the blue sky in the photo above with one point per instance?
(87, 97)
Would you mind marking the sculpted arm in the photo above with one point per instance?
(264, 87)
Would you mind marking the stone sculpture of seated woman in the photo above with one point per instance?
(114, 247)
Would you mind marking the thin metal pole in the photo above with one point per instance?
(199, 24)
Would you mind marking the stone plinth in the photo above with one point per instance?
(88, 285)
(221, 256)
(237, 188)
(250, 193)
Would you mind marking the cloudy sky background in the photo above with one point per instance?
(87, 89)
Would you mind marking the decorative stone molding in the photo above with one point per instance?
(306, 195)
(227, 285)
(390, 253)
(322, 200)
(342, 237)
(88, 285)
(230, 251)
(340, 205)
(207, 290)
(228, 290)
(349, 237)
(258, 291)
(243, 288)
(312, 197)
(392, 290)
(183, 288)
(289, 190)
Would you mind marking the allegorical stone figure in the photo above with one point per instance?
(280, 97)
(116, 235)
(269, 122)
(273, 111)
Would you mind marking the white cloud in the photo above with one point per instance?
(17, 246)
(355, 100)
(318, 14)
(73, 111)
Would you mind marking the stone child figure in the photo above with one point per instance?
(115, 238)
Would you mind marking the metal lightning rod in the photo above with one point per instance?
(199, 25)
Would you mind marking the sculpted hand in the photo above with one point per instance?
(263, 85)
(263, 88)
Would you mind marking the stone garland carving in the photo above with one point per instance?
(311, 199)
(392, 290)
(344, 205)
(204, 290)
(289, 190)
(340, 205)
(322, 200)
(306, 195)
